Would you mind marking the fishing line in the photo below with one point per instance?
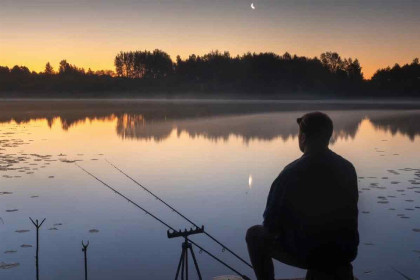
(180, 214)
(162, 222)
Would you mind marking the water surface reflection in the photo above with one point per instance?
(214, 120)
(214, 161)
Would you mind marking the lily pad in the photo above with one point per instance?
(4, 265)
(10, 251)
(22, 230)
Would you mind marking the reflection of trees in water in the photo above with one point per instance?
(346, 124)
(134, 126)
(269, 126)
(250, 127)
(212, 120)
(408, 125)
(66, 121)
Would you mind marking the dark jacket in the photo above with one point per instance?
(312, 206)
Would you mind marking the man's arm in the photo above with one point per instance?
(274, 208)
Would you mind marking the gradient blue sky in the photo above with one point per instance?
(89, 33)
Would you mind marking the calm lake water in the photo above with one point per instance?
(214, 161)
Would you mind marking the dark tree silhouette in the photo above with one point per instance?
(143, 64)
(398, 80)
(49, 70)
(21, 71)
(215, 74)
(332, 61)
(66, 68)
(353, 69)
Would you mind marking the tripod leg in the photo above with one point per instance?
(186, 262)
(196, 264)
(181, 260)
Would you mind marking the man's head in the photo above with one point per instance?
(315, 130)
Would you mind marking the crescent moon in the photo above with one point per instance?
(252, 6)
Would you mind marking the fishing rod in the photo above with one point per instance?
(180, 214)
(163, 223)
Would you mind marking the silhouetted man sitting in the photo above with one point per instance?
(310, 220)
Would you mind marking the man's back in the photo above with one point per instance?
(314, 203)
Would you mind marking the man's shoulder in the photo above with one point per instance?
(307, 161)
(338, 159)
(293, 165)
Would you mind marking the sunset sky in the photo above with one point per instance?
(89, 33)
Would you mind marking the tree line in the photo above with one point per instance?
(215, 74)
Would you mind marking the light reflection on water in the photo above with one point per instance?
(216, 168)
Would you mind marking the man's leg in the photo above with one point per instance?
(260, 243)
(263, 247)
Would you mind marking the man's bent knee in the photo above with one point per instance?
(253, 233)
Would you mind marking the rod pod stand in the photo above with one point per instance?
(37, 226)
(84, 250)
(186, 245)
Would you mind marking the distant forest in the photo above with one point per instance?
(215, 75)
